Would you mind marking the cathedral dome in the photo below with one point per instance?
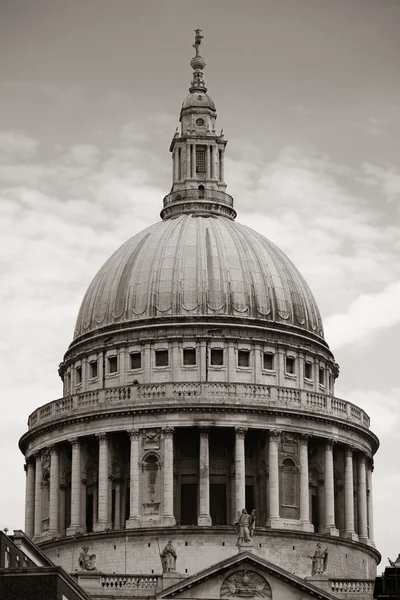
(195, 266)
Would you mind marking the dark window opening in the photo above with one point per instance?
(112, 364)
(68, 381)
(243, 358)
(89, 513)
(201, 191)
(268, 361)
(200, 159)
(290, 365)
(308, 370)
(218, 504)
(161, 358)
(78, 372)
(189, 504)
(136, 360)
(321, 376)
(189, 356)
(93, 368)
(217, 356)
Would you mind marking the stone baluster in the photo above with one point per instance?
(240, 469)
(349, 531)
(168, 514)
(362, 500)
(134, 516)
(76, 487)
(370, 506)
(273, 479)
(54, 526)
(329, 491)
(304, 485)
(38, 496)
(204, 518)
(103, 495)
(30, 497)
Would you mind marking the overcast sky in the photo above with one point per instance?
(308, 94)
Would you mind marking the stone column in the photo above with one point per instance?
(222, 167)
(54, 524)
(193, 161)
(304, 485)
(38, 497)
(362, 500)
(349, 531)
(204, 517)
(117, 515)
(370, 506)
(329, 492)
(134, 511)
(102, 514)
(240, 469)
(76, 486)
(62, 506)
(212, 163)
(273, 479)
(168, 515)
(188, 161)
(30, 498)
(208, 162)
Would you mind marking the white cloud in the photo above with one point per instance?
(16, 146)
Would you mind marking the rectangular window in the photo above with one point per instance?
(189, 356)
(243, 358)
(112, 364)
(321, 376)
(308, 370)
(93, 369)
(268, 361)
(290, 365)
(78, 373)
(200, 159)
(161, 358)
(217, 357)
(136, 360)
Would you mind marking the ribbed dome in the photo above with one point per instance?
(193, 266)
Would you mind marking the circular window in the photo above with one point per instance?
(200, 122)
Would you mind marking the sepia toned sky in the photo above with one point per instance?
(308, 95)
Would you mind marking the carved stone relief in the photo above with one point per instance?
(151, 439)
(245, 584)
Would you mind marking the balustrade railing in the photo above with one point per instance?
(352, 586)
(193, 393)
(196, 194)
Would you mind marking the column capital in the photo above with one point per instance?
(329, 444)
(240, 432)
(37, 455)
(168, 432)
(274, 435)
(74, 441)
(349, 450)
(52, 448)
(362, 457)
(204, 431)
(134, 434)
(102, 437)
(303, 438)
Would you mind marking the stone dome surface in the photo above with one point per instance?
(193, 266)
(198, 99)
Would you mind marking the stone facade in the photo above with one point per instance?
(217, 395)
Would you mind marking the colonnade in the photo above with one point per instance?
(33, 515)
(214, 162)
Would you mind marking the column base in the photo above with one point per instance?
(320, 581)
(51, 535)
(307, 526)
(102, 526)
(363, 539)
(245, 547)
(273, 522)
(350, 535)
(372, 544)
(204, 521)
(132, 523)
(330, 530)
(169, 520)
(74, 530)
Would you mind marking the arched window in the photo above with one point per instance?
(289, 489)
(201, 191)
(151, 485)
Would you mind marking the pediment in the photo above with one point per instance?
(244, 577)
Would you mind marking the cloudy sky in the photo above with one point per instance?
(308, 94)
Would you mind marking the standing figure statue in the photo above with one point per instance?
(87, 561)
(319, 560)
(245, 525)
(395, 563)
(168, 558)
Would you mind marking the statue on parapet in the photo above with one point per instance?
(87, 561)
(245, 525)
(395, 563)
(319, 560)
(168, 558)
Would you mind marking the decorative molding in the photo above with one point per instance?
(274, 435)
(168, 432)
